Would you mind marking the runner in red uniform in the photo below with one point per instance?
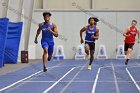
(130, 35)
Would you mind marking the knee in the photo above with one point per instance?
(91, 56)
(86, 50)
(45, 52)
(129, 50)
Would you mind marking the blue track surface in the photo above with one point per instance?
(72, 76)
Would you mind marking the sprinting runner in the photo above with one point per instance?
(129, 41)
(92, 34)
(49, 30)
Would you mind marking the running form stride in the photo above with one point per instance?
(129, 41)
(49, 30)
(92, 34)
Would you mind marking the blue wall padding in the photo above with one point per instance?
(12, 42)
(3, 33)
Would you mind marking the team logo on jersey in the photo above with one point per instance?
(90, 32)
(133, 33)
(44, 29)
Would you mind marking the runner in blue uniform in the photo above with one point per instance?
(92, 34)
(49, 30)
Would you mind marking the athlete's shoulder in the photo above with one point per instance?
(41, 24)
(86, 26)
(137, 29)
(97, 27)
(54, 25)
(128, 28)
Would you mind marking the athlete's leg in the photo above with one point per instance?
(87, 49)
(128, 55)
(129, 52)
(91, 57)
(44, 57)
(45, 53)
(49, 57)
(50, 50)
(92, 49)
(126, 48)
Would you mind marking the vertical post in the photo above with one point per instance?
(28, 11)
(14, 11)
(91, 4)
(20, 9)
(3, 7)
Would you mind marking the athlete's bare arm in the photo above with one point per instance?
(138, 36)
(54, 31)
(37, 34)
(125, 33)
(81, 33)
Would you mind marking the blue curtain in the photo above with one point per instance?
(3, 35)
(12, 42)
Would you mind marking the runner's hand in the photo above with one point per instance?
(35, 41)
(82, 41)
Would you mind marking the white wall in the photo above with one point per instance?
(38, 4)
(69, 24)
(96, 4)
(65, 4)
(3, 8)
(116, 4)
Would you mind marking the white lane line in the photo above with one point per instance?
(137, 86)
(134, 67)
(121, 66)
(115, 79)
(48, 89)
(28, 77)
(74, 81)
(111, 66)
(95, 81)
(2, 89)
(62, 91)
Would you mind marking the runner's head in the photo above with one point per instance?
(134, 23)
(93, 20)
(47, 16)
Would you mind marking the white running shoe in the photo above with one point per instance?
(89, 67)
